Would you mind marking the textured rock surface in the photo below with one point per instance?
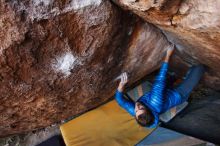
(61, 58)
(193, 25)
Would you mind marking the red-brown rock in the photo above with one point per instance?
(58, 59)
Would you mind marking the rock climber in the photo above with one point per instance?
(148, 107)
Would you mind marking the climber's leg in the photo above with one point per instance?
(191, 80)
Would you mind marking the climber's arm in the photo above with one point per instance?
(127, 104)
(157, 93)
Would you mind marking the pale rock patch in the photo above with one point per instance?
(65, 63)
(79, 4)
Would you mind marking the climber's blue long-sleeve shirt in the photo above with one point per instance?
(158, 100)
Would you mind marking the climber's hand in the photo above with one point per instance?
(170, 49)
(169, 52)
(123, 82)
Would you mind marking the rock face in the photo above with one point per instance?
(193, 25)
(61, 58)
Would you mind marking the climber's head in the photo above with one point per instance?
(143, 115)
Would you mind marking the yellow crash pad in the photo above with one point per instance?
(108, 125)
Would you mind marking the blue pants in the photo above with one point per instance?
(191, 80)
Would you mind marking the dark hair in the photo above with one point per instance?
(145, 119)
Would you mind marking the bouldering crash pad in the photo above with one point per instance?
(108, 125)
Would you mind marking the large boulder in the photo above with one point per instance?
(193, 25)
(61, 58)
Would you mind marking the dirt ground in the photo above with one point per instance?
(30, 138)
